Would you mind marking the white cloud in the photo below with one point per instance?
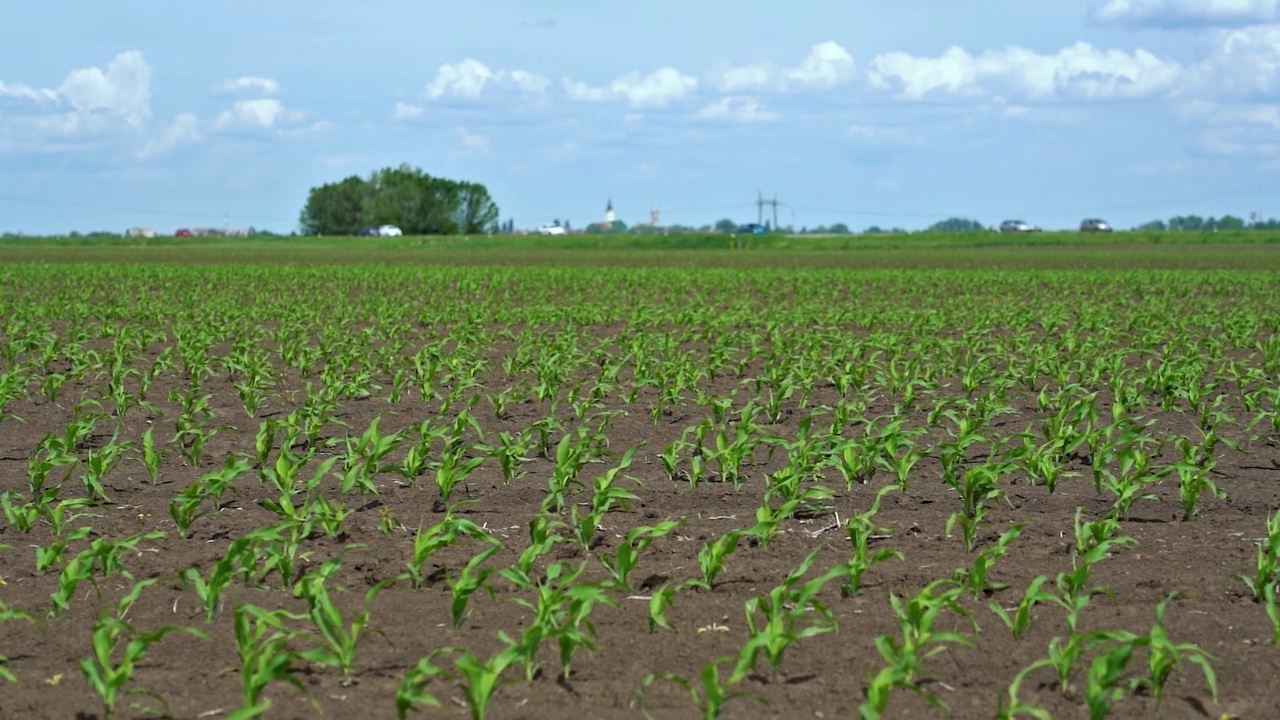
(184, 129)
(1246, 62)
(827, 64)
(1186, 13)
(256, 114)
(25, 92)
(123, 89)
(1079, 71)
(653, 90)
(405, 111)
(89, 102)
(259, 86)
(468, 79)
(737, 108)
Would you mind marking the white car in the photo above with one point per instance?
(389, 231)
(551, 229)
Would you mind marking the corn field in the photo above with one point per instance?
(516, 492)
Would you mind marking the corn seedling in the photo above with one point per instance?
(711, 694)
(861, 529)
(103, 672)
(787, 614)
(262, 644)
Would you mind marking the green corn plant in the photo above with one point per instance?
(1091, 533)
(97, 463)
(366, 457)
(469, 579)
(1134, 476)
(918, 642)
(605, 496)
(103, 672)
(897, 453)
(1164, 655)
(861, 529)
(102, 554)
(659, 601)
(240, 560)
(1266, 561)
(1108, 680)
(856, 460)
(711, 694)
(151, 457)
(1018, 618)
(1011, 707)
(454, 468)
(50, 556)
(204, 496)
(788, 614)
(974, 578)
(573, 452)
(443, 534)
(1194, 479)
(7, 614)
(541, 539)
(1065, 653)
(262, 644)
(712, 556)
(964, 434)
(978, 487)
(733, 452)
(479, 680)
(637, 540)
(412, 690)
(511, 452)
(339, 641)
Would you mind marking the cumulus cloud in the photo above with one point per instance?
(259, 86)
(468, 79)
(121, 89)
(184, 129)
(1244, 63)
(656, 89)
(1079, 71)
(89, 102)
(827, 64)
(738, 109)
(256, 114)
(1186, 13)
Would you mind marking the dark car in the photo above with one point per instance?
(753, 229)
(1094, 225)
(182, 232)
(368, 232)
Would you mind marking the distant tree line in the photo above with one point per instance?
(1195, 223)
(407, 197)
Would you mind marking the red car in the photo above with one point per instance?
(182, 232)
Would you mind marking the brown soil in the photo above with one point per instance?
(824, 676)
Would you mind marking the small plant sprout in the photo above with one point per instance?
(710, 694)
(110, 668)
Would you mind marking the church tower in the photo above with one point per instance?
(608, 213)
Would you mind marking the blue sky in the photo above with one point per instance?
(903, 113)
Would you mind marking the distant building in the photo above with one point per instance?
(141, 231)
(608, 214)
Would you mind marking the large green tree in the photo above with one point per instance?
(407, 197)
